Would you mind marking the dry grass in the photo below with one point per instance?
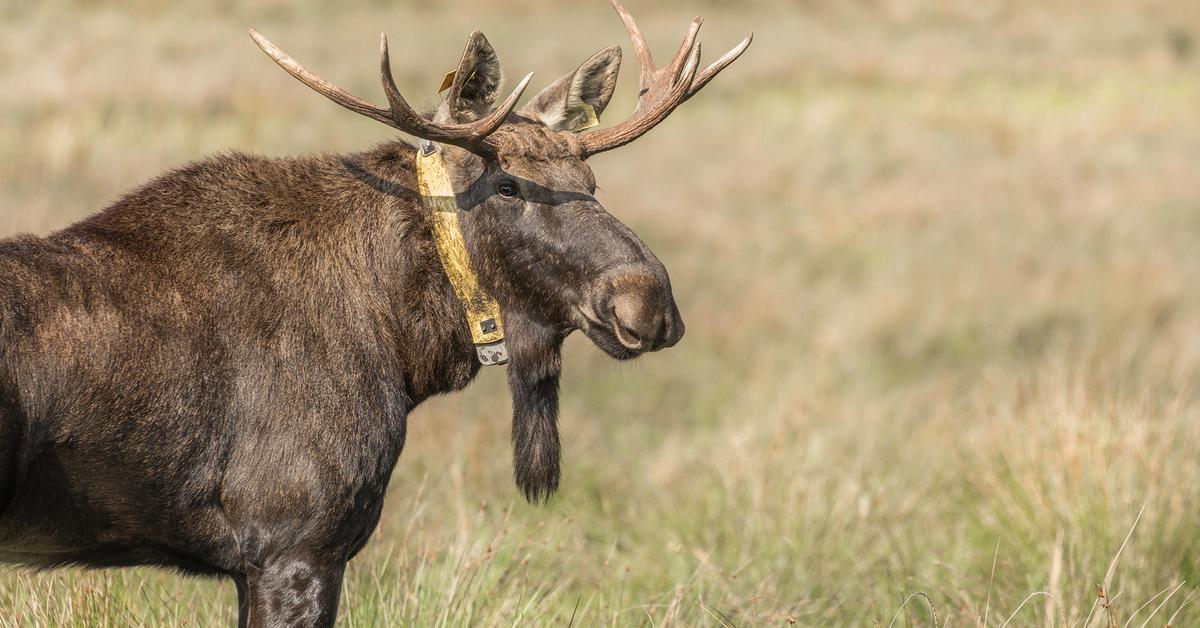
(938, 262)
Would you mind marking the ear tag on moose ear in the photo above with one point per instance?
(590, 119)
(447, 81)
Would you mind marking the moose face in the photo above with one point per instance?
(526, 196)
(559, 255)
(530, 210)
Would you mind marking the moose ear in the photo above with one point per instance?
(574, 101)
(475, 85)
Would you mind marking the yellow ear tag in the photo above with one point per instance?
(590, 119)
(448, 81)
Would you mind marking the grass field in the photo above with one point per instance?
(939, 261)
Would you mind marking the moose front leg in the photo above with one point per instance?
(296, 589)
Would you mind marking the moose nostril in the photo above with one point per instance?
(629, 336)
(658, 330)
(639, 327)
(627, 311)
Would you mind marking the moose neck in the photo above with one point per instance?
(432, 339)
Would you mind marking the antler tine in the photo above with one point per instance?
(640, 49)
(715, 68)
(685, 48)
(662, 90)
(400, 115)
(470, 136)
(648, 114)
(489, 124)
(320, 85)
(404, 117)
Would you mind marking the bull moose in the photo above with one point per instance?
(214, 373)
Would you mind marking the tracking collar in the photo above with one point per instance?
(482, 310)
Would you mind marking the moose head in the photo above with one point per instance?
(527, 195)
(555, 259)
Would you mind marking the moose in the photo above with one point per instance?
(214, 373)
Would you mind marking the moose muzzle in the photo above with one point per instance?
(634, 313)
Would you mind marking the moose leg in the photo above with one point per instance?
(300, 589)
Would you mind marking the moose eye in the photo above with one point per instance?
(508, 188)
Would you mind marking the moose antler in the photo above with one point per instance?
(400, 115)
(662, 90)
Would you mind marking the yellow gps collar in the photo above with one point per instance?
(483, 313)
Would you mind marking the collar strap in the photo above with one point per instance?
(482, 310)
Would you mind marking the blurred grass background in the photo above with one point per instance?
(939, 263)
